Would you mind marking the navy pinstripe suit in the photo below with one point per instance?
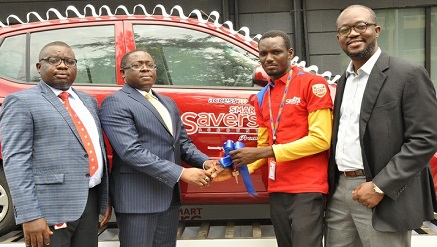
(147, 158)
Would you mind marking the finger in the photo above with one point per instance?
(33, 240)
(46, 236)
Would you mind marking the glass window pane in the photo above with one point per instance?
(94, 48)
(403, 33)
(188, 57)
(12, 58)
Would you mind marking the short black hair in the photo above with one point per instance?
(277, 33)
(54, 43)
(123, 62)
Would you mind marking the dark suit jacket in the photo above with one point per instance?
(398, 136)
(147, 158)
(45, 163)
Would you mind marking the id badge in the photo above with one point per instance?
(272, 169)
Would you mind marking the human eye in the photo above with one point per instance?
(360, 27)
(54, 60)
(151, 66)
(135, 65)
(70, 61)
(344, 30)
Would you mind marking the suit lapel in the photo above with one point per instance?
(373, 88)
(133, 93)
(48, 94)
(337, 104)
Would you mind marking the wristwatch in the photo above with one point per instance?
(377, 189)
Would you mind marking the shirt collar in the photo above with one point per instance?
(144, 93)
(57, 91)
(282, 79)
(367, 67)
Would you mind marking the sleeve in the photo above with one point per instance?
(263, 141)
(16, 130)
(317, 140)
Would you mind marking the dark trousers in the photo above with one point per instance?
(82, 232)
(149, 230)
(297, 219)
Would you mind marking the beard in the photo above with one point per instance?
(364, 54)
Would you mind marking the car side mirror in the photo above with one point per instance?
(260, 77)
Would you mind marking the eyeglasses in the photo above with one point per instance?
(360, 27)
(138, 66)
(55, 61)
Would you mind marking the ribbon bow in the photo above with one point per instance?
(226, 161)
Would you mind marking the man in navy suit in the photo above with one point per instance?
(385, 133)
(149, 141)
(45, 160)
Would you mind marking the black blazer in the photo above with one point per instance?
(398, 136)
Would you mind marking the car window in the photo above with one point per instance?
(12, 57)
(94, 48)
(187, 57)
(95, 54)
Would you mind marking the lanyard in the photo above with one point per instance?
(281, 107)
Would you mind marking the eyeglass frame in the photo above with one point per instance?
(354, 27)
(140, 66)
(64, 60)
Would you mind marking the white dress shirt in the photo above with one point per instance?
(348, 151)
(88, 121)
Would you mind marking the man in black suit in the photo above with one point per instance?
(385, 132)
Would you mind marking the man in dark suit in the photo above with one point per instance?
(46, 160)
(385, 132)
(149, 142)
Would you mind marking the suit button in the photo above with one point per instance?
(87, 175)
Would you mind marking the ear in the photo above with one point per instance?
(377, 30)
(290, 53)
(38, 67)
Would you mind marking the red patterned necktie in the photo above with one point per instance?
(83, 133)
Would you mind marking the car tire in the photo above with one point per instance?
(7, 220)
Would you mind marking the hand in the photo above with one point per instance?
(36, 233)
(221, 174)
(210, 164)
(106, 216)
(244, 156)
(366, 195)
(196, 176)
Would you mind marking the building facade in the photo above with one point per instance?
(409, 27)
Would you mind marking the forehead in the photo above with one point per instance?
(272, 43)
(58, 50)
(354, 15)
(139, 56)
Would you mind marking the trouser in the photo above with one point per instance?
(297, 219)
(349, 224)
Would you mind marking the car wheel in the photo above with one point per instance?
(7, 221)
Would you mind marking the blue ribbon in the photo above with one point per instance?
(226, 161)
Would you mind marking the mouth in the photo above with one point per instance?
(355, 42)
(271, 66)
(61, 76)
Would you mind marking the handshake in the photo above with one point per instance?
(213, 171)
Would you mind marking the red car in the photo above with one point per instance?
(205, 67)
